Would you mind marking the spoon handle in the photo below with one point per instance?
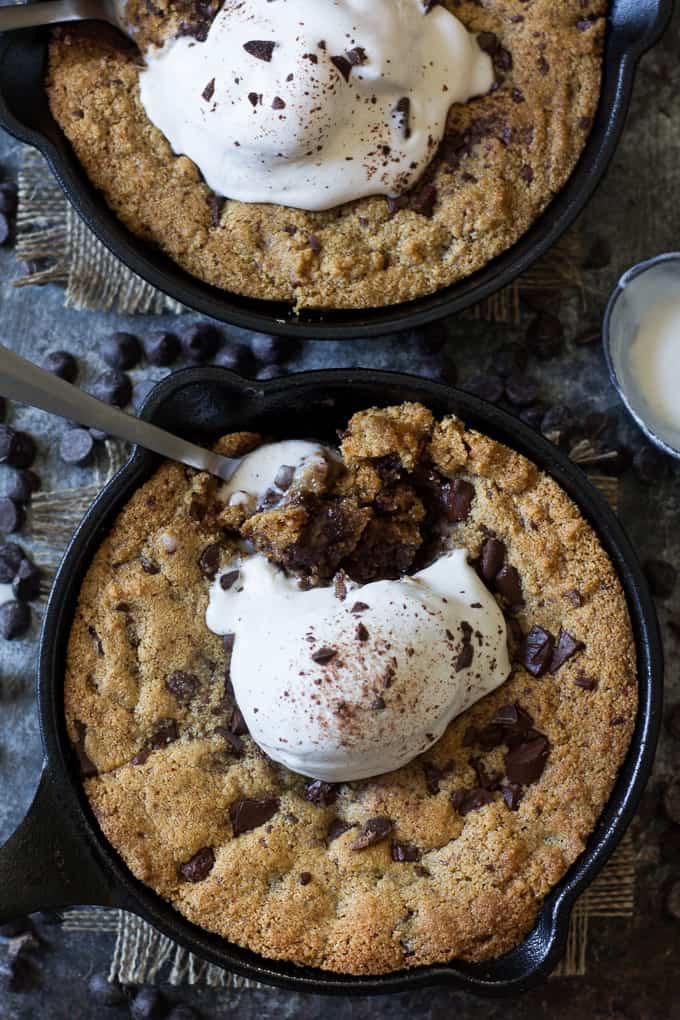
(22, 380)
(47, 12)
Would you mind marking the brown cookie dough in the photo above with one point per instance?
(450, 856)
(503, 159)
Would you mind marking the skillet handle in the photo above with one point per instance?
(45, 864)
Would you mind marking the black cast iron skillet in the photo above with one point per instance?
(58, 856)
(634, 26)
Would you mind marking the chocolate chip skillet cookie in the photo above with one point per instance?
(267, 162)
(359, 711)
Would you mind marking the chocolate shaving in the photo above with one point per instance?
(324, 655)
(566, 647)
(404, 852)
(524, 763)
(199, 866)
(216, 204)
(209, 91)
(537, 651)
(403, 113)
(373, 831)
(209, 560)
(248, 813)
(465, 801)
(336, 828)
(456, 497)
(343, 65)
(320, 793)
(509, 585)
(262, 49)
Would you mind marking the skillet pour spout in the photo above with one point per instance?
(634, 26)
(59, 857)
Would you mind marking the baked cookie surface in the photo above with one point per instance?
(448, 857)
(504, 157)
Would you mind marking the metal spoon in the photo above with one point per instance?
(53, 12)
(21, 380)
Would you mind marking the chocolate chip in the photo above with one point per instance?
(85, 764)
(464, 658)
(586, 683)
(373, 831)
(105, 992)
(26, 584)
(509, 585)
(23, 484)
(113, 387)
(148, 1003)
(488, 737)
(486, 385)
(209, 561)
(485, 780)
(515, 721)
(161, 348)
(537, 651)
(17, 449)
(229, 579)
(343, 65)
(512, 795)
(465, 801)
(524, 764)
(545, 336)
(261, 49)
(148, 566)
(61, 364)
(359, 607)
(248, 813)
(488, 42)
(200, 341)
(11, 556)
(362, 632)
(456, 499)
(323, 794)
(650, 465)
(11, 515)
(278, 103)
(305, 877)
(199, 866)
(237, 723)
(336, 829)
(268, 348)
(314, 243)
(141, 757)
(356, 56)
(492, 558)
(566, 647)
(166, 732)
(661, 577)
(325, 654)
(76, 446)
(183, 686)
(403, 113)
(121, 350)
(209, 90)
(574, 598)
(404, 852)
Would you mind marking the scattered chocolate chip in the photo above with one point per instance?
(509, 585)
(11, 556)
(105, 992)
(209, 561)
(11, 515)
(537, 651)
(512, 795)
(545, 336)
(148, 566)
(26, 584)
(456, 499)
(269, 348)
(661, 577)
(148, 1003)
(305, 877)
(487, 737)
(17, 449)
(216, 204)
(85, 764)
(209, 90)
(323, 794)
(113, 387)
(336, 829)
(166, 732)
(200, 341)
(314, 243)
(574, 598)
(566, 647)
(141, 757)
(261, 49)
(373, 831)
(325, 654)
(524, 764)
(343, 65)
(464, 657)
(404, 852)
(359, 607)
(76, 446)
(248, 813)
(465, 801)
(486, 385)
(362, 632)
(121, 350)
(278, 103)
(488, 42)
(492, 558)
(62, 364)
(23, 484)
(229, 579)
(183, 686)
(199, 866)
(403, 113)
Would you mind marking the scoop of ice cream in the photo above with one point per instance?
(311, 104)
(345, 689)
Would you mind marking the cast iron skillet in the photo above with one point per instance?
(58, 856)
(634, 26)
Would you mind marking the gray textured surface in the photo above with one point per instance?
(631, 964)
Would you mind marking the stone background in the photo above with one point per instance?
(632, 965)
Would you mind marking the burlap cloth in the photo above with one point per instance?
(51, 232)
